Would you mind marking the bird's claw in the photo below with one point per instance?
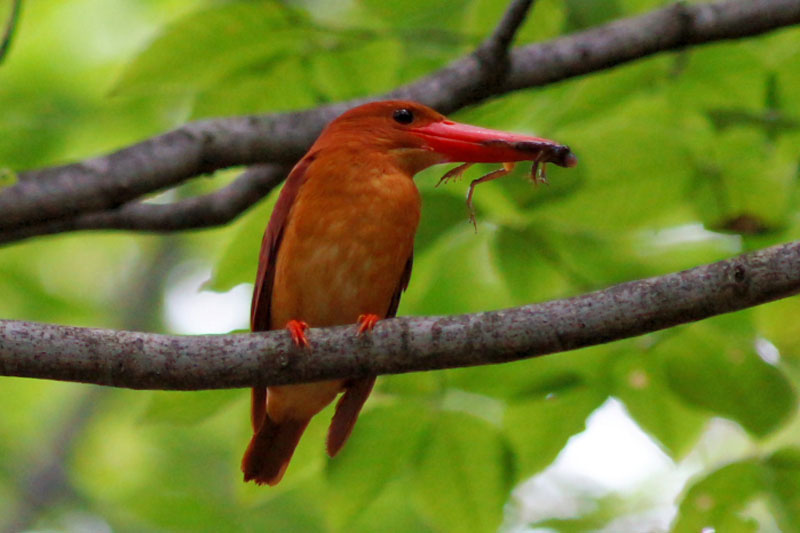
(538, 173)
(454, 173)
(297, 329)
(366, 322)
(507, 167)
(473, 219)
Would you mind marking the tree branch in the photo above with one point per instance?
(213, 209)
(108, 181)
(671, 28)
(497, 45)
(149, 361)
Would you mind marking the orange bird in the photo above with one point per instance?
(338, 250)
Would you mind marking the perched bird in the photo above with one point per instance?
(338, 250)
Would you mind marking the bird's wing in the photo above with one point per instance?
(260, 310)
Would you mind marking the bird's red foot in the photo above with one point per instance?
(297, 329)
(366, 322)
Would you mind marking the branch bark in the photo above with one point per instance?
(107, 182)
(149, 361)
(213, 209)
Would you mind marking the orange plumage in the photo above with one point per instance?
(338, 250)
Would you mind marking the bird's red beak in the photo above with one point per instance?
(472, 144)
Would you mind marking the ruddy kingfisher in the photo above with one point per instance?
(339, 245)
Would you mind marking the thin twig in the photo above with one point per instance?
(11, 26)
(408, 344)
(498, 44)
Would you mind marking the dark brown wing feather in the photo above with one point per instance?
(356, 391)
(403, 285)
(262, 294)
(260, 311)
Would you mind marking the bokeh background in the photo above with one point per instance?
(685, 158)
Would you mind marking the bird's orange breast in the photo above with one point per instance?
(346, 243)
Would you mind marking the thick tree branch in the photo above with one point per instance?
(109, 181)
(213, 209)
(148, 361)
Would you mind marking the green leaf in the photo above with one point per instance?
(392, 511)
(553, 111)
(783, 481)
(246, 93)
(539, 428)
(178, 407)
(787, 76)
(238, 261)
(638, 139)
(397, 14)
(776, 322)
(535, 377)
(7, 177)
(208, 45)
(601, 515)
(641, 385)
(767, 120)
(585, 13)
(545, 20)
(714, 365)
(719, 499)
(441, 211)
(416, 385)
(380, 450)
(530, 265)
(682, 247)
(358, 70)
(548, 260)
(719, 76)
(716, 500)
(463, 475)
(760, 187)
(299, 509)
(456, 275)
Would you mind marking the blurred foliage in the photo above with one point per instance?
(685, 158)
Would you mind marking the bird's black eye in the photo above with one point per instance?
(403, 116)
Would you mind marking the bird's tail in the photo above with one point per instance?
(347, 409)
(270, 450)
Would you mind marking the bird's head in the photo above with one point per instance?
(417, 137)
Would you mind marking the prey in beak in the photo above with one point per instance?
(542, 151)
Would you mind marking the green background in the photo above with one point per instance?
(685, 158)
